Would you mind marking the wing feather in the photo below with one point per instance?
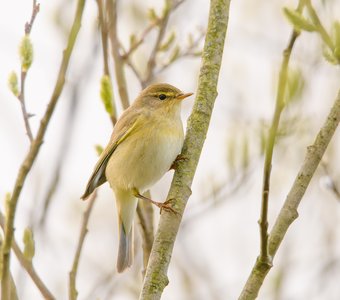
(98, 175)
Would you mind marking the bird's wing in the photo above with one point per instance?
(98, 176)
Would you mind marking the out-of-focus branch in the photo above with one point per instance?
(289, 212)
(156, 274)
(104, 35)
(111, 6)
(161, 32)
(35, 146)
(28, 266)
(319, 27)
(273, 131)
(73, 293)
(145, 215)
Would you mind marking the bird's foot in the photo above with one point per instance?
(179, 158)
(161, 205)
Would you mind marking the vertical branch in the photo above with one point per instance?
(145, 215)
(73, 293)
(279, 106)
(289, 212)
(118, 61)
(35, 146)
(104, 35)
(156, 274)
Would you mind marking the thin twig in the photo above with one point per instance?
(104, 35)
(28, 266)
(146, 31)
(288, 212)
(36, 144)
(161, 32)
(35, 10)
(73, 293)
(273, 131)
(190, 51)
(140, 41)
(21, 96)
(111, 6)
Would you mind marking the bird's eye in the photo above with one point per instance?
(162, 97)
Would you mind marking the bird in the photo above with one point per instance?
(146, 140)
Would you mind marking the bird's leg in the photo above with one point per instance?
(180, 157)
(161, 205)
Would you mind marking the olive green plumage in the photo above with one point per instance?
(145, 142)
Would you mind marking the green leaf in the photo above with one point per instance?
(29, 247)
(26, 53)
(298, 21)
(13, 83)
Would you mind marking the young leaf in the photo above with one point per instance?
(298, 21)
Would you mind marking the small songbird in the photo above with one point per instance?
(144, 144)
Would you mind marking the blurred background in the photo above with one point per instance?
(218, 240)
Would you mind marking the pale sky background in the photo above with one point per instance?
(219, 246)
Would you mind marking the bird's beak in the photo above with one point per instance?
(182, 96)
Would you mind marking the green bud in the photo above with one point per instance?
(330, 56)
(169, 41)
(298, 21)
(167, 7)
(152, 16)
(174, 55)
(99, 149)
(106, 94)
(29, 247)
(26, 53)
(13, 83)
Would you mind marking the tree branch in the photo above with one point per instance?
(21, 96)
(35, 145)
(118, 61)
(289, 212)
(279, 106)
(73, 293)
(28, 266)
(198, 123)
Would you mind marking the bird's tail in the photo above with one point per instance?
(126, 207)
